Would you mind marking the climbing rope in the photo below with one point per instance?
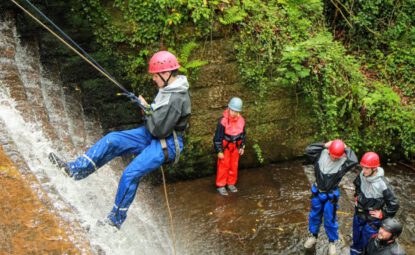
(101, 70)
(67, 37)
(170, 214)
(85, 56)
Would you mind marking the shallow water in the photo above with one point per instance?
(269, 213)
(266, 216)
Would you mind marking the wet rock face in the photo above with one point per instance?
(26, 225)
(281, 124)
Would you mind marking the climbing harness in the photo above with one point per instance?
(176, 146)
(85, 56)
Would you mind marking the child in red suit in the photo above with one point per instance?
(229, 143)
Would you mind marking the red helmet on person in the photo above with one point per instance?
(370, 159)
(163, 61)
(336, 148)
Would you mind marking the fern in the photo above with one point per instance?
(185, 53)
(195, 64)
(233, 15)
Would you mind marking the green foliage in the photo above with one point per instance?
(383, 33)
(258, 153)
(186, 63)
(360, 97)
(329, 79)
(233, 15)
(368, 115)
(270, 26)
(131, 31)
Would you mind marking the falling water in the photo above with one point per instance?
(39, 115)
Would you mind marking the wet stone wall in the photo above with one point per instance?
(281, 124)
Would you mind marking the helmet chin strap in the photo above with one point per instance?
(166, 82)
(372, 172)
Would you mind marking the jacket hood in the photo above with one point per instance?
(180, 85)
(380, 173)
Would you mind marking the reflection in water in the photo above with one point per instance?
(267, 216)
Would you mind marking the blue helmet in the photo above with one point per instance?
(235, 104)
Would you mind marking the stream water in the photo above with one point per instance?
(269, 213)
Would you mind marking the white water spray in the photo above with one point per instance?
(86, 201)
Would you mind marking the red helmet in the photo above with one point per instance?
(336, 148)
(370, 159)
(163, 61)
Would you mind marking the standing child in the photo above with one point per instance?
(229, 144)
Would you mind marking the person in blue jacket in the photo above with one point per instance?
(157, 142)
(332, 161)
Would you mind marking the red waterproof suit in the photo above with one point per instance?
(229, 138)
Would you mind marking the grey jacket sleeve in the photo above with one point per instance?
(162, 121)
(351, 160)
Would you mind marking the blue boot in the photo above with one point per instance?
(117, 217)
(112, 221)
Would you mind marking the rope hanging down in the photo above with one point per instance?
(85, 56)
(67, 37)
(105, 73)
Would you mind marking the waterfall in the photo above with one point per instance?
(39, 115)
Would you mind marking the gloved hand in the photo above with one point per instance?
(140, 101)
(132, 97)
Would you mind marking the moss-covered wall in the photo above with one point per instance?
(281, 125)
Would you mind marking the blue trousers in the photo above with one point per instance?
(363, 230)
(135, 141)
(324, 205)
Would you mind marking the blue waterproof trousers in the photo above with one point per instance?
(135, 141)
(324, 204)
(363, 230)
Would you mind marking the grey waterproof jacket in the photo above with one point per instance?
(328, 172)
(375, 193)
(170, 110)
